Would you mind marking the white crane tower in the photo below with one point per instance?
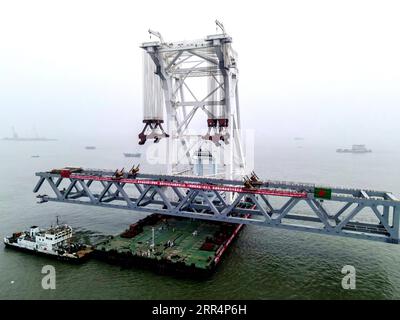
(192, 86)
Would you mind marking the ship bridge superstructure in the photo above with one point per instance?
(357, 213)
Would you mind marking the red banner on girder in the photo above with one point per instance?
(198, 186)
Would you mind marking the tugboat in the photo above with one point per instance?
(356, 148)
(53, 242)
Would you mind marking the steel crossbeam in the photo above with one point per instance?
(365, 214)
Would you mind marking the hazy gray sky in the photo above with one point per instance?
(326, 69)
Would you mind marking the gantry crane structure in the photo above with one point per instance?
(168, 69)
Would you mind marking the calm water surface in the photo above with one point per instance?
(263, 264)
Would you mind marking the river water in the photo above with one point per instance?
(263, 264)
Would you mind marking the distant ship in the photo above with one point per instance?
(53, 242)
(16, 137)
(356, 148)
(132, 155)
(90, 147)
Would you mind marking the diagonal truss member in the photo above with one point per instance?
(365, 214)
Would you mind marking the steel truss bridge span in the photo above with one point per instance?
(357, 213)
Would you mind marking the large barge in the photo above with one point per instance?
(170, 245)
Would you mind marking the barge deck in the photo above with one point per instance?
(170, 245)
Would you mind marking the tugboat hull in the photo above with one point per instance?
(71, 259)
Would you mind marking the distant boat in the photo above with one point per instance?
(356, 148)
(90, 147)
(35, 156)
(16, 137)
(132, 155)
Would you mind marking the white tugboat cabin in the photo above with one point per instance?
(54, 241)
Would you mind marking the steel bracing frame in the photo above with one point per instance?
(365, 214)
(180, 65)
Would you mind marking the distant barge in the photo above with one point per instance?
(170, 245)
(356, 148)
(132, 155)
